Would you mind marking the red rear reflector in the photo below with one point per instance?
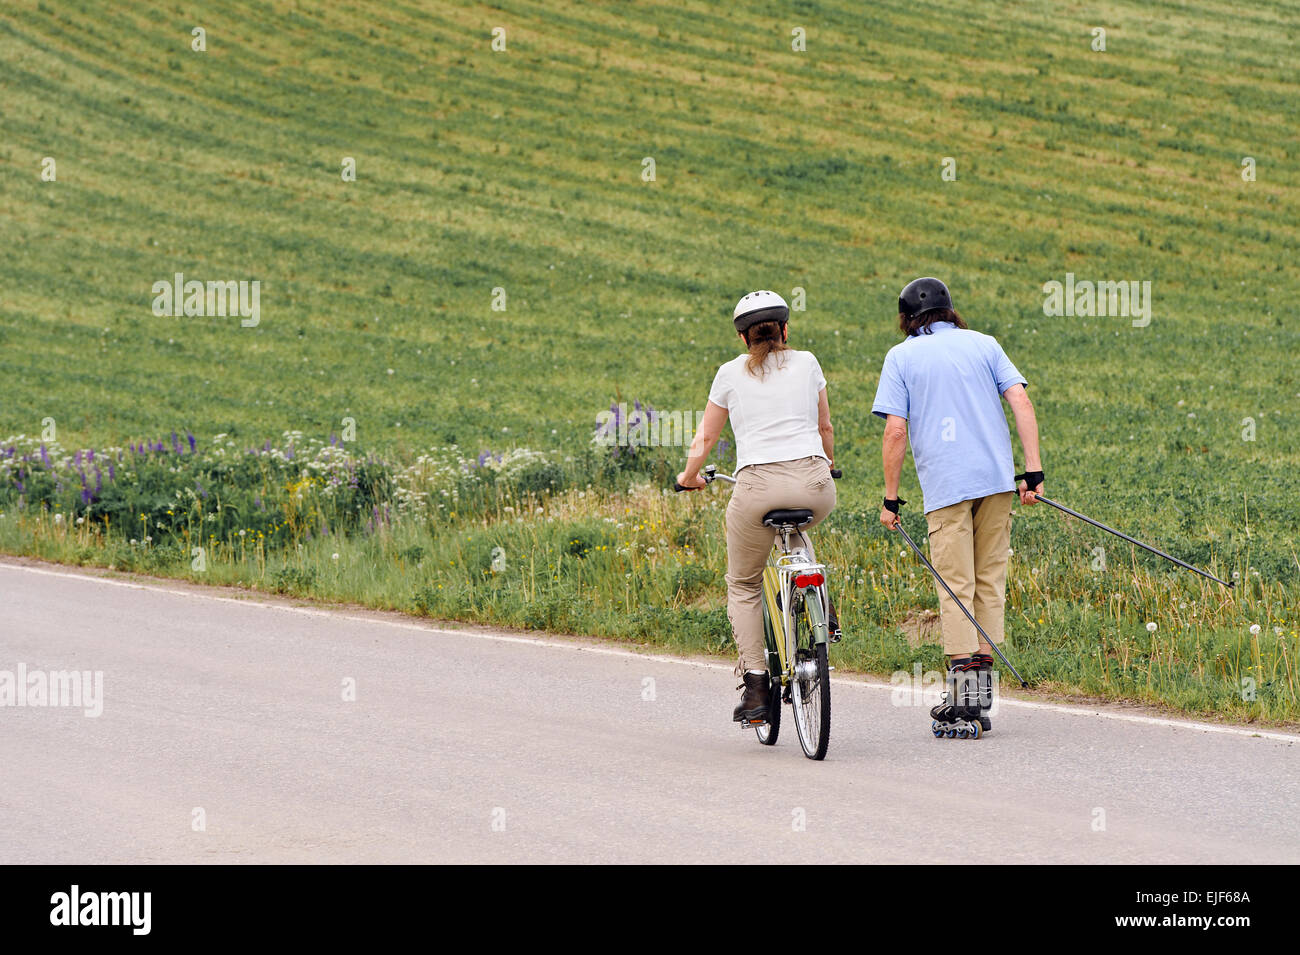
(809, 580)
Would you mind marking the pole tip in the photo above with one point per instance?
(1232, 583)
(1024, 685)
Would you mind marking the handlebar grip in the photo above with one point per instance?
(682, 487)
(836, 473)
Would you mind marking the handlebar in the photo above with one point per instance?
(710, 474)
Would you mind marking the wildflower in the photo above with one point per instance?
(1151, 626)
(1254, 629)
(334, 556)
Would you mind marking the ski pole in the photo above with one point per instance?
(930, 567)
(1131, 540)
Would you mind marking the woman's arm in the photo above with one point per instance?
(706, 436)
(824, 426)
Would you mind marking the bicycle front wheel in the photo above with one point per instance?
(810, 690)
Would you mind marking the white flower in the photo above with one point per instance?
(1254, 629)
(80, 520)
(58, 518)
(1151, 627)
(334, 556)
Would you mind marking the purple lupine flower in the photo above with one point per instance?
(19, 484)
(86, 496)
(266, 448)
(199, 489)
(333, 439)
(76, 458)
(288, 453)
(90, 454)
(99, 479)
(176, 443)
(257, 500)
(161, 447)
(190, 438)
(45, 457)
(112, 472)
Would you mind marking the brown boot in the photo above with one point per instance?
(753, 702)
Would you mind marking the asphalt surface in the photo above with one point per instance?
(225, 737)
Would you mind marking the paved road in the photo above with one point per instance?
(479, 747)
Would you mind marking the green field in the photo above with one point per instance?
(522, 170)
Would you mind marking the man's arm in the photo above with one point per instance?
(715, 416)
(1027, 427)
(893, 449)
(824, 426)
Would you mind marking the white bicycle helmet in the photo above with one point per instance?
(762, 306)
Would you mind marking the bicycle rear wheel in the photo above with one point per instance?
(810, 691)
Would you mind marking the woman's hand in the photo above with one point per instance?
(693, 483)
(888, 518)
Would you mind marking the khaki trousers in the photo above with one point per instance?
(968, 547)
(805, 482)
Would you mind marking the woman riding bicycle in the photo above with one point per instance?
(776, 398)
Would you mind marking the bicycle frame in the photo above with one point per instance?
(785, 568)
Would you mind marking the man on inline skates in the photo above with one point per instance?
(940, 386)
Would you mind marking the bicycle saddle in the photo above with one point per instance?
(798, 516)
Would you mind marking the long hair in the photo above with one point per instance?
(763, 339)
(920, 324)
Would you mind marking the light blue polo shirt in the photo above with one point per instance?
(949, 385)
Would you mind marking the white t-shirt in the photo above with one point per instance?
(774, 417)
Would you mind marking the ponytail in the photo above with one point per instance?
(763, 339)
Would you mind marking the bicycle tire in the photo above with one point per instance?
(810, 695)
(769, 732)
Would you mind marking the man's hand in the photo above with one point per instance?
(888, 518)
(1028, 494)
(693, 483)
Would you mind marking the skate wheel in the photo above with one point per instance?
(936, 729)
(962, 733)
(950, 733)
(976, 731)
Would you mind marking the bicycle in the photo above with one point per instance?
(795, 610)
